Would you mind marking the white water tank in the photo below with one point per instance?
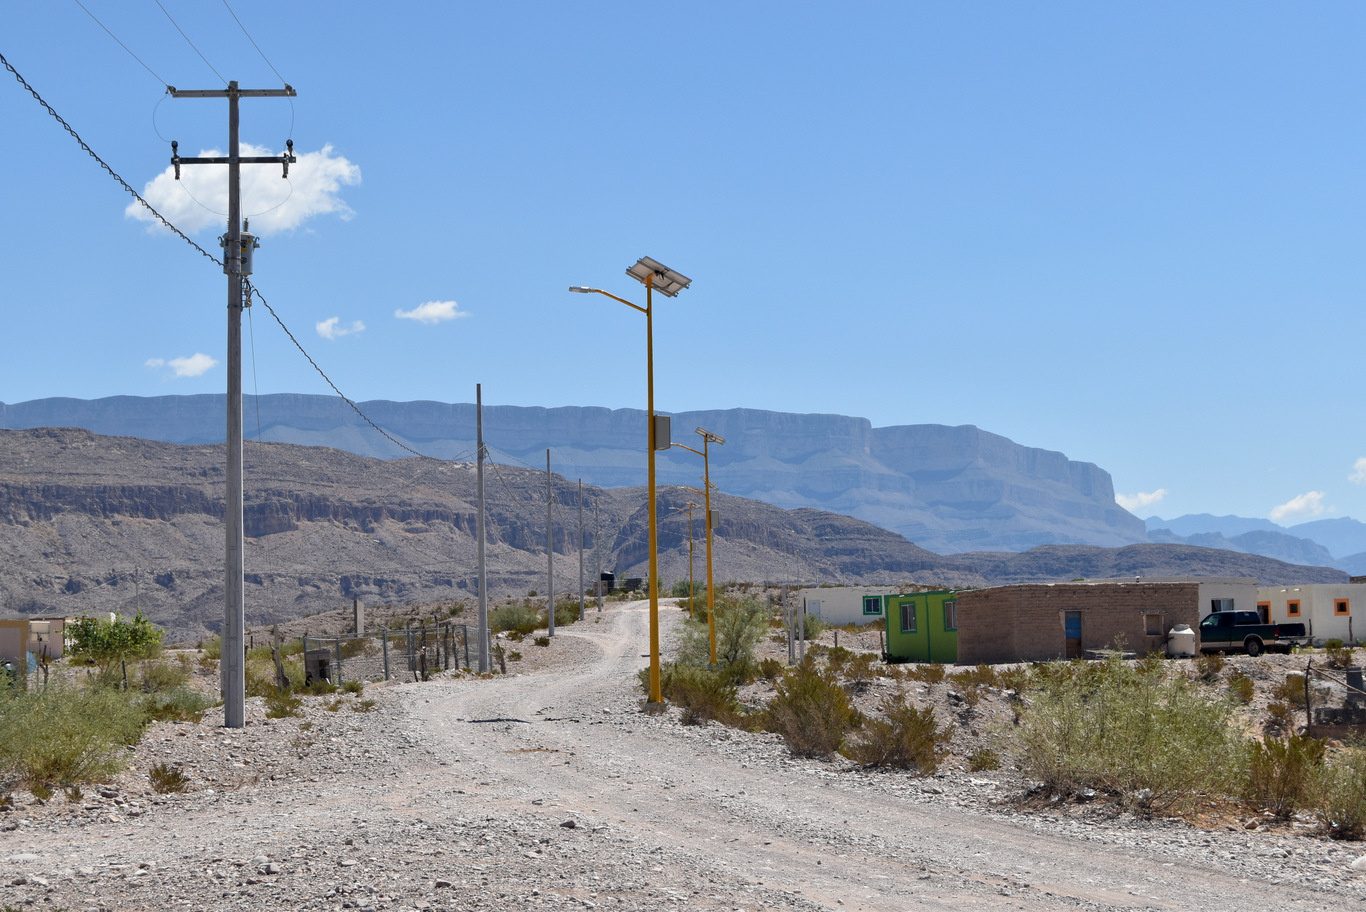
(1181, 641)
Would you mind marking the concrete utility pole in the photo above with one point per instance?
(580, 549)
(479, 533)
(236, 250)
(549, 545)
(597, 557)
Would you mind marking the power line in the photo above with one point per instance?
(112, 173)
(122, 45)
(258, 48)
(191, 43)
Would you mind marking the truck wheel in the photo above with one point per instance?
(1253, 646)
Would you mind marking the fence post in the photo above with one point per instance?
(465, 637)
(339, 675)
(384, 645)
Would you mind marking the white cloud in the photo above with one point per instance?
(331, 328)
(432, 312)
(1134, 502)
(1301, 507)
(1358, 475)
(192, 366)
(272, 204)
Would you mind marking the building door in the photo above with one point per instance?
(1072, 632)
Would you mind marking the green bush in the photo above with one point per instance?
(353, 686)
(212, 648)
(1291, 690)
(1279, 772)
(983, 759)
(107, 641)
(770, 669)
(179, 704)
(1240, 688)
(930, 673)
(1340, 656)
(1208, 665)
(1338, 794)
(566, 612)
(522, 619)
(155, 677)
(66, 735)
(905, 738)
(165, 778)
(740, 626)
(1156, 743)
(282, 705)
(812, 627)
(704, 695)
(810, 710)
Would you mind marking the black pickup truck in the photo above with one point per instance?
(1244, 630)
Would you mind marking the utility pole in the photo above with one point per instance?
(597, 557)
(237, 249)
(549, 545)
(580, 549)
(479, 532)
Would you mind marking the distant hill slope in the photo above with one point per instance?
(949, 489)
(1054, 563)
(1337, 542)
(91, 524)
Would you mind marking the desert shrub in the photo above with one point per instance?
(982, 759)
(929, 673)
(364, 706)
(770, 669)
(1337, 794)
(353, 686)
(1208, 665)
(860, 670)
(318, 687)
(212, 648)
(1333, 643)
(282, 705)
(704, 694)
(166, 778)
(1339, 656)
(152, 677)
(260, 672)
(1154, 742)
(740, 625)
(810, 710)
(522, 619)
(1291, 690)
(1278, 715)
(905, 738)
(542, 641)
(566, 612)
(812, 627)
(514, 656)
(1015, 678)
(1240, 688)
(1279, 772)
(66, 735)
(179, 704)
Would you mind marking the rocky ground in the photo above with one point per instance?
(549, 787)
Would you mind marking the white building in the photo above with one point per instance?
(847, 604)
(1325, 609)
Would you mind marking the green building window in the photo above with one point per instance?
(908, 617)
(951, 615)
(872, 604)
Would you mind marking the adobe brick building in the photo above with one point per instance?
(1041, 622)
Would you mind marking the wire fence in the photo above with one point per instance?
(411, 653)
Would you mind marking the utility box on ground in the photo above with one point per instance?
(317, 665)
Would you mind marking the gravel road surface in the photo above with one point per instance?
(551, 788)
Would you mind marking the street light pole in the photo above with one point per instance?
(707, 438)
(670, 283)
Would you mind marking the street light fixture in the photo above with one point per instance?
(656, 277)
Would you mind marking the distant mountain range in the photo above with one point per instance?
(90, 524)
(948, 489)
(1338, 542)
(951, 490)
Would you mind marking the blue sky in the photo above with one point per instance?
(1129, 232)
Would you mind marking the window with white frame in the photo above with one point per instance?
(908, 617)
(951, 615)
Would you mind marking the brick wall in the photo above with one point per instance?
(1025, 623)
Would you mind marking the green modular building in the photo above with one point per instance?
(922, 627)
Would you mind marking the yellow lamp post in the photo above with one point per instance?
(707, 438)
(656, 277)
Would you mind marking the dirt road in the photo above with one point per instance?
(552, 788)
